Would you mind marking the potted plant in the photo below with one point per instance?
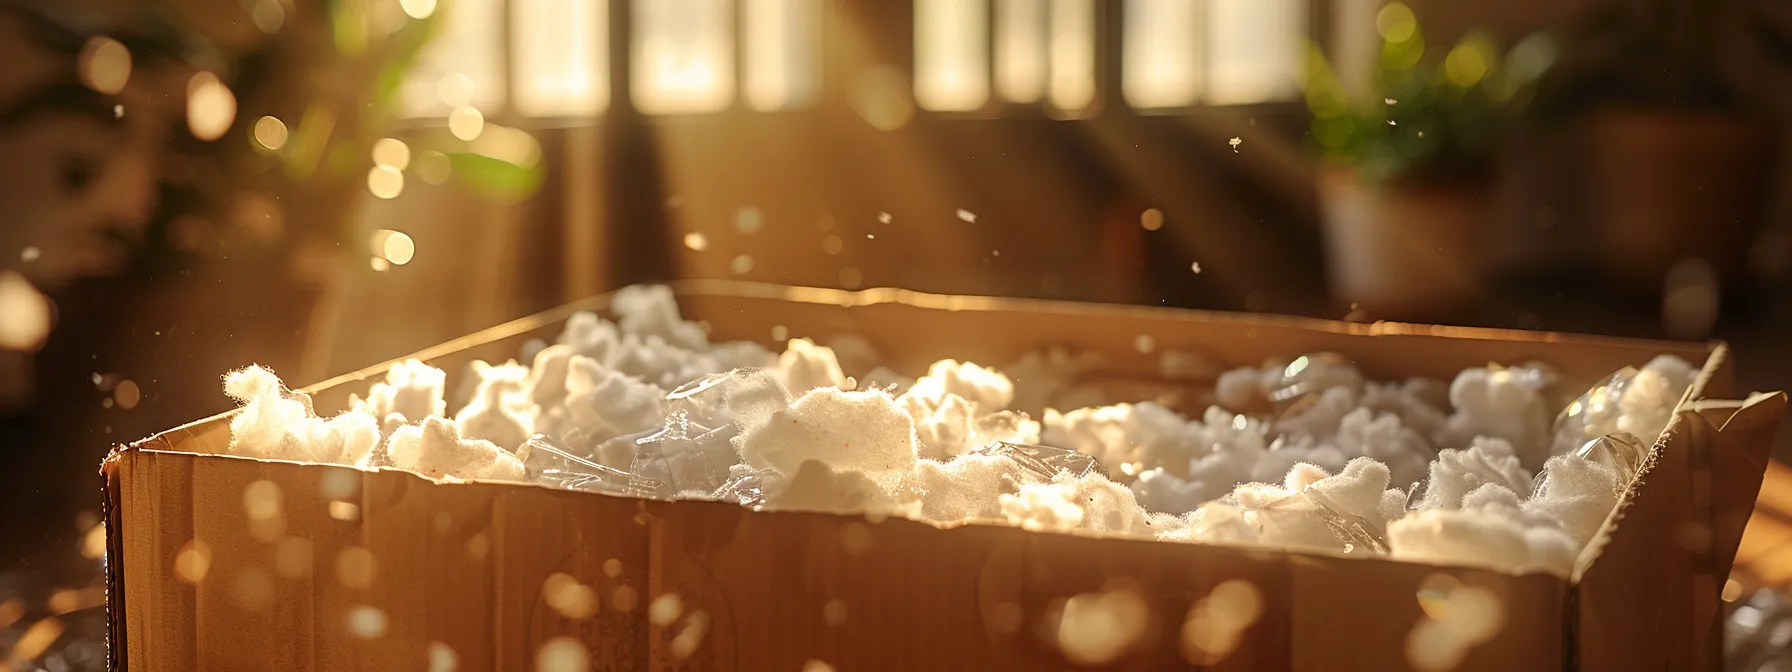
(1409, 166)
(1675, 151)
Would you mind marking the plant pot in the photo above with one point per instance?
(1404, 250)
(1664, 186)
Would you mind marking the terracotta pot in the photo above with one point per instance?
(1404, 250)
(1666, 186)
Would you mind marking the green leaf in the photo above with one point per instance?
(495, 178)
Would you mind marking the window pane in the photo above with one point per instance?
(1073, 54)
(1255, 50)
(1021, 55)
(462, 65)
(561, 53)
(951, 54)
(683, 56)
(782, 54)
(1160, 60)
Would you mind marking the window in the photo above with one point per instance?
(951, 55)
(1254, 50)
(1220, 52)
(682, 60)
(463, 65)
(1161, 56)
(560, 50)
(783, 63)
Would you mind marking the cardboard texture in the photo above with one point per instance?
(354, 570)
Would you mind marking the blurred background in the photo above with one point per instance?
(190, 186)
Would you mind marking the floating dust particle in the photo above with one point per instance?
(741, 265)
(478, 547)
(780, 333)
(612, 568)
(270, 133)
(292, 557)
(103, 65)
(885, 218)
(1433, 648)
(665, 610)
(252, 589)
(193, 561)
(93, 545)
(29, 254)
(347, 512)
(385, 182)
(689, 637)
(833, 613)
(442, 658)
(569, 597)
(379, 265)
(1216, 623)
(433, 167)
(1434, 594)
(25, 314)
(211, 107)
(1235, 142)
(816, 665)
(855, 538)
(623, 598)
(392, 153)
(75, 599)
(1144, 343)
(749, 220)
(697, 242)
(268, 15)
(261, 500)
(562, 654)
(367, 622)
(1098, 628)
(1152, 219)
(418, 9)
(356, 567)
(967, 215)
(466, 122)
(341, 484)
(1196, 267)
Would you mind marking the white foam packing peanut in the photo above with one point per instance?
(274, 423)
(956, 409)
(858, 430)
(1345, 447)
(501, 410)
(411, 391)
(805, 366)
(436, 449)
(1507, 403)
(1456, 473)
(602, 402)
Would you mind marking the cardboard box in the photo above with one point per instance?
(353, 570)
